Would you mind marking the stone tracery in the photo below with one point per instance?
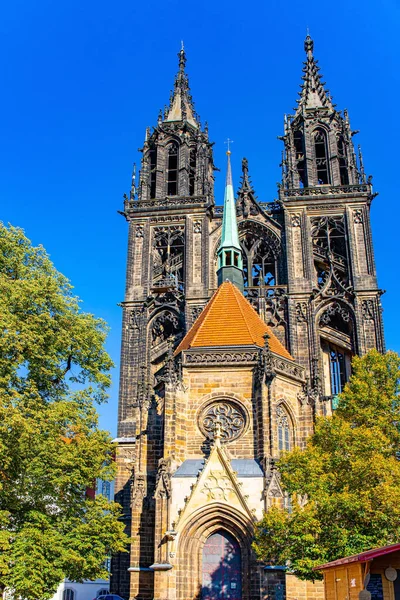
(230, 416)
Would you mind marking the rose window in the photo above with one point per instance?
(230, 416)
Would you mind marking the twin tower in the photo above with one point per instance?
(211, 391)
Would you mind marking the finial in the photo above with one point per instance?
(308, 44)
(217, 433)
(182, 58)
(182, 46)
(228, 142)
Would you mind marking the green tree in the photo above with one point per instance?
(53, 368)
(345, 486)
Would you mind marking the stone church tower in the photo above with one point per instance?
(239, 324)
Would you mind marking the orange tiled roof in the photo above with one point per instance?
(230, 320)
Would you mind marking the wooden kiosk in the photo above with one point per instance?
(371, 575)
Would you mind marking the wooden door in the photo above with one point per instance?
(222, 568)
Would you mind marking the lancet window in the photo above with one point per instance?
(343, 162)
(300, 157)
(337, 369)
(153, 171)
(168, 256)
(260, 261)
(192, 171)
(337, 343)
(284, 434)
(172, 169)
(321, 156)
(330, 250)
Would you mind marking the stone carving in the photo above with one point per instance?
(225, 416)
(246, 203)
(265, 368)
(171, 374)
(167, 202)
(301, 312)
(139, 231)
(207, 358)
(282, 417)
(287, 367)
(312, 389)
(296, 220)
(358, 216)
(167, 219)
(275, 307)
(195, 312)
(164, 325)
(197, 225)
(326, 190)
(334, 309)
(272, 298)
(163, 480)
(135, 319)
(217, 486)
(138, 489)
(367, 308)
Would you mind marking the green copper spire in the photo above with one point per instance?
(230, 263)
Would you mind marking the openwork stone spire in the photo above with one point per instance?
(181, 104)
(313, 93)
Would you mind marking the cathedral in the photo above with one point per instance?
(239, 325)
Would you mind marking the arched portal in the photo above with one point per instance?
(202, 525)
(221, 568)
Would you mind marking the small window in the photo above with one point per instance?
(69, 594)
(102, 592)
(235, 259)
(228, 258)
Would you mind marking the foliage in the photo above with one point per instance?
(53, 367)
(345, 486)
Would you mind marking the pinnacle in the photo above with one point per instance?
(313, 93)
(181, 107)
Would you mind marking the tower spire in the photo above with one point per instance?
(313, 93)
(181, 104)
(230, 263)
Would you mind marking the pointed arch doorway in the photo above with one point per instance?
(221, 568)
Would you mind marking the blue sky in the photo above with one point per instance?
(80, 81)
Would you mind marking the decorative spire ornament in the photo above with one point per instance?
(181, 106)
(312, 93)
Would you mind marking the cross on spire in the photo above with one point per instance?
(228, 142)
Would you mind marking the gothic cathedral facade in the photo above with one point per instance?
(221, 374)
